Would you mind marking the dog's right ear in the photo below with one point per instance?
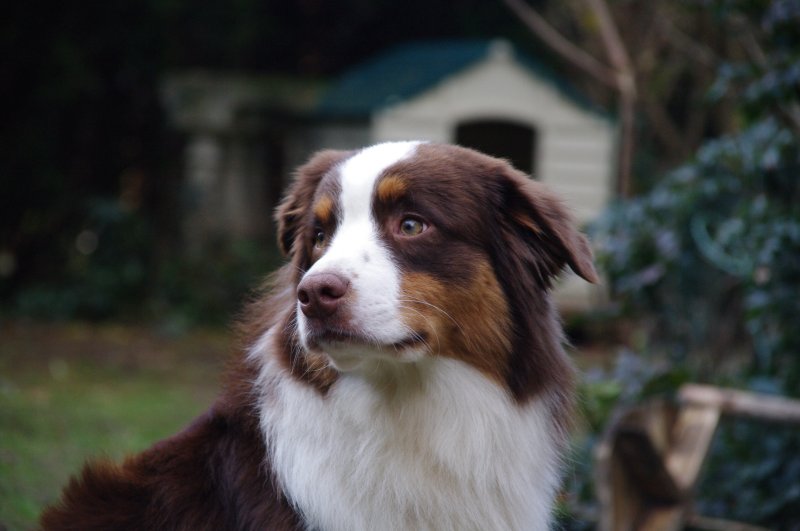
(294, 207)
(538, 217)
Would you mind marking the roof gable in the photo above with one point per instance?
(407, 70)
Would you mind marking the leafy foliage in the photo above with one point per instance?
(752, 474)
(113, 269)
(708, 263)
(712, 252)
(104, 271)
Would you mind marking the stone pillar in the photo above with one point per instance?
(224, 176)
(204, 160)
(244, 208)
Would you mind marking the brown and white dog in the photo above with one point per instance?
(404, 371)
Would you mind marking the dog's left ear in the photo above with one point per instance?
(541, 218)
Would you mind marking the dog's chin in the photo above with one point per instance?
(349, 352)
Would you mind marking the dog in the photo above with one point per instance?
(404, 370)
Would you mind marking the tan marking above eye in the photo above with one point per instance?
(391, 188)
(323, 209)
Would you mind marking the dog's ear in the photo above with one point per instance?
(294, 207)
(538, 216)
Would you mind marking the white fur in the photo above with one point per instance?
(401, 441)
(432, 445)
(357, 253)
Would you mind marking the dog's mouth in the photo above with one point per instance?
(415, 340)
(342, 339)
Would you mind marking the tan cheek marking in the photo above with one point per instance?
(391, 187)
(422, 308)
(323, 209)
(470, 323)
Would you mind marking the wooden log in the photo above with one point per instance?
(651, 457)
(633, 487)
(645, 467)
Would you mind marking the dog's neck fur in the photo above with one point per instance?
(430, 445)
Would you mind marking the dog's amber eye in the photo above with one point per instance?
(412, 227)
(319, 239)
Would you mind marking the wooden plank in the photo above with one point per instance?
(742, 403)
(692, 434)
(666, 518)
(717, 524)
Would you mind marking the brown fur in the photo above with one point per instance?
(211, 476)
(487, 262)
(483, 209)
(469, 322)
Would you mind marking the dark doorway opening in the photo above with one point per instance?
(512, 141)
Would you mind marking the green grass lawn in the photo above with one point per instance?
(71, 392)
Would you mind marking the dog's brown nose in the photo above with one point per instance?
(321, 293)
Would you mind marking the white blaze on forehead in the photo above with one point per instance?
(357, 252)
(359, 173)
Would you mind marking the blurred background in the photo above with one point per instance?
(145, 146)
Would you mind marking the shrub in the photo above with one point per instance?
(708, 264)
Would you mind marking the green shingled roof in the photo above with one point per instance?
(407, 70)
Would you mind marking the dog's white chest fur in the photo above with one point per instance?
(438, 447)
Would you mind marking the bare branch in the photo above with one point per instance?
(626, 85)
(621, 77)
(615, 48)
(685, 44)
(561, 45)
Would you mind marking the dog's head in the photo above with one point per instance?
(406, 251)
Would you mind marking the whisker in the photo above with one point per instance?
(415, 334)
(443, 312)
